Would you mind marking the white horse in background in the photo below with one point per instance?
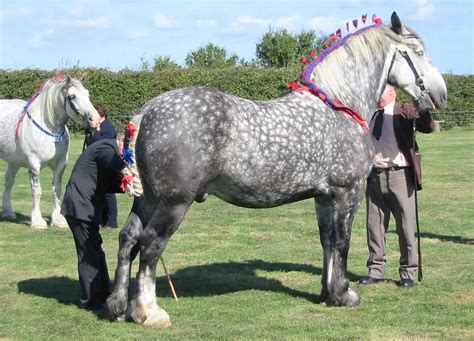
(34, 135)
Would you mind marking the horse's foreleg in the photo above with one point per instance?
(335, 218)
(153, 240)
(128, 248)
(37, 220)
(7, 208)
(57, 219)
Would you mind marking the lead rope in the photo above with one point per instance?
(420, 259)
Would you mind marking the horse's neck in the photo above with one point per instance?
(48, 110)
(363, 85)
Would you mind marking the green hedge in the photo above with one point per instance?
(126, 91)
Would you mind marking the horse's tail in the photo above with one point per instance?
(131, 183)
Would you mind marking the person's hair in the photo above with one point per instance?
(102, 110)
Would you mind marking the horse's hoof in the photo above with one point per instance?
(349, 299)
(9, 215)
(59, 221)
(149, 315)
(116, 305)
(39, 227)
(37, 222)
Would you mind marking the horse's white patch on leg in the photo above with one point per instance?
(57, 219)
(330, 270)
(37, 220)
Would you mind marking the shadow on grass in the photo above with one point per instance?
(63, 289)
(223, 278)
(444, 238)
(195, 281)
(20, 219)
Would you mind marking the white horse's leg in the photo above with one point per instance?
(57, 219)
(37, 220)
(7, 208)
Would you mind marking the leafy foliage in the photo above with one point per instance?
(126, 91)
(211, 56)
(279, 48)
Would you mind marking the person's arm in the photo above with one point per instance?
(424, 120)
(109, 159)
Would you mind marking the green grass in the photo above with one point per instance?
(253, 274)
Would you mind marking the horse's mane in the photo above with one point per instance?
(362, 46)
(50, 90)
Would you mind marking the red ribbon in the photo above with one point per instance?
(125, 181)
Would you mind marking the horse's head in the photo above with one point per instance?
(412, 71)
(78, 105)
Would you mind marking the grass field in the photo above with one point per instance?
(255, 274)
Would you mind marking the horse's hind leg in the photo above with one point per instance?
(335, 218)
(7, 208)
(37, 220)
(57, 219)
(153, 240)
(128, 249)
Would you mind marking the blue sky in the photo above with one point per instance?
(117, 34)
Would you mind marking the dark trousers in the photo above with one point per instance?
(92, 267)
(109, 211)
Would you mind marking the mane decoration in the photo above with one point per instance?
(130, 183)
(305, 84)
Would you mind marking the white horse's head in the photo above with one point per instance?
(78, 105)
(412, 71)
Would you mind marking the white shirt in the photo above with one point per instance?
(387, 153)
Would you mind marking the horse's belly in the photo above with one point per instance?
(263, 195)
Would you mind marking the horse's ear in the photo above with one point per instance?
(396, 23)
(68, 79)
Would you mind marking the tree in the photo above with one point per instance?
(211, 56)
(279, 48)
(164, 63)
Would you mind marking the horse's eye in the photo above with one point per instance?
(420, 52)
(72, 96)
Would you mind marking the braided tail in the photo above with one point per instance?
(131, 183)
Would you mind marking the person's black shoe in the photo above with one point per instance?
(406, 283)
(370, 280)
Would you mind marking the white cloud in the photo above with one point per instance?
(165, 21)
(325, 24)
(243, 21)
(209, 23)
(13, 14)
(424, 10)
(43, 38)
(137, 33)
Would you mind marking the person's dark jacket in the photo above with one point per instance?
(97, 171)
(107, 131)
(403, 117)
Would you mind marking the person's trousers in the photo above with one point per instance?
(391, 191)
(92, 267)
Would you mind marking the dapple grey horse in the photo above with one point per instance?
(34, 135)
(197, 141)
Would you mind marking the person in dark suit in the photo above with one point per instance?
(96, 172)
(392, 184)
(107, 131)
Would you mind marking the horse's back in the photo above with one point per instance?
(10, 111)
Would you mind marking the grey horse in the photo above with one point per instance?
(198, 141)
